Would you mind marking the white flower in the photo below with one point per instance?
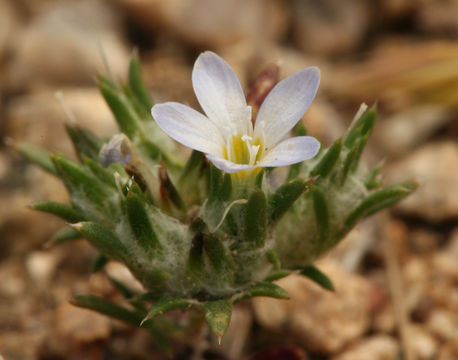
(226, 135)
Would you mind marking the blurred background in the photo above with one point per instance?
(396, 274)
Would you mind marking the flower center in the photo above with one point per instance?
(242, 149)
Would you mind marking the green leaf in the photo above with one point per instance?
(300, 129)
(277, 275)
(273, 258)
(61, 210)
(264, 288)
(255, 222)
(167, 304)
(121, 288)
(125, 116)
(218, 315)
(321, 212)
(107, 308)
(141, 225)
(84, 141)
(362, 127)
(371, 181)
(284, 197)
(348, 164)
(195, 264)
(36, 155)
(328, 161)
(216, 252)
(103, 239)
(137, 85)
(103, 174)
(66, 234)
(379, 200)
(78, 178)
(99, 263)
(313, 273)
(220, 185)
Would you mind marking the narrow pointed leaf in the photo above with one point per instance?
(284, 197)
(84, 141)
(103, 239)
(135, 103)
(348, 163)
(66, 234)
(167, 304)
(317, 276)
(216, 252)
(141, 225)
(194, 163)
(220, 185)
(61, 210)
(121, 288)
(361, 128)
(195, 264)
(378, 200)
(371, 181)
(360, 144)
(273, 258)
(327, 162)
(255, 224)
(266, 289)
(77, 178)
(218, 315)
(37, 155)
(170, 189)
(103, 174)
(106, 307)
(99, 263)
(137, 85)
(125, 116)
(277, 275)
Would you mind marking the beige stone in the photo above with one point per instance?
(378, 347)
(322, 321)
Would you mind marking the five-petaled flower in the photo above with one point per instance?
(226, 135)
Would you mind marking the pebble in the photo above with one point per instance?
(343, 315)
(377, 347)
(436, 198)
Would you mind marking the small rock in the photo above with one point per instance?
(39, 119)
(436, 197)
(322, 321)
(41, 265)
(9, 21)
(283, 353)
(444, 324)
(378, 347)
(439, 17)
(13, 284)
(238, 333)
(121, 273)
(422, 343)
(230, 21)
(81, 325)
(61, 45)
(409, 128)
(341, 26)
(449, 351)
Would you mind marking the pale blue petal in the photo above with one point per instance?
(220, 94)
(228, 166)
(285, 105)
(188, 127)
(291, 151)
